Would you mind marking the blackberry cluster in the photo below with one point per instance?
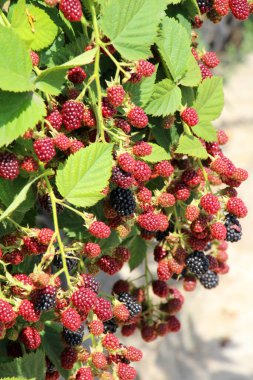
(209, 280)
(197, 263)
(71, 263)
(73, 338)
(110, 326)
(122, 200)
(45, 299)
(133, 306)
(234, 228)
(204, 5)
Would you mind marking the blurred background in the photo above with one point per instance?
(216, 339)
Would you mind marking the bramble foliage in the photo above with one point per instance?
(108, 150)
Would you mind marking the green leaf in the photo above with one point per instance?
(141, 92)
(33, 25)
(138, 249)
(29, 366)
(210, 99)
(52, 79)
(15, 62)
(18, 113)
(206, 131)
(192, 76)
(107, 245)
(166, 137)
(165, 100)
(10, 189)
(85, 174)
(16, 378)
(191, 146)
(174, 45)
(19, 198)
(158, 154)
(131, 25)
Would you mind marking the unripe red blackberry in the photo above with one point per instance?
(191, 212)
(160, 288)
(99, 360)
(91, 250)
(76, 75)
(89, 119)
(175, 266)
(30, 337)
(72, 114)
(44, 149)
(163, 271)
(148, 333)
(149, 221)
(7, 314)
(189, 283)
(142, 171)
(210, 203)
(99, 230)
(115, 95)
(164, 169)
(159, 253)
(71, 319)
(237, 207)
(28, 312)
(110, 342)
(173, 323)
(45, 236)
(137, 117)
(62, 142)
(182, 192)
(134, 354)
(121, 312)
(191, 178)
(103, 309)
(221, 7)
(123, 125)
(128, 330)
(108, 110)
(144, 195)
(9, 166)
(84, 373)
(122, 254)
(126, 372)
(240, 9)
(205, 71)
(68, 358)
(123, 179)
(218, 231)
(35, 58)
(210, 59)
(109, 264)
(72, 9)
(145, 68)
(126, 162)
(142, 148)
(84, 299)
(120, 286)
(55, 119)
(96, 327)
(29, 164)
(190, 116)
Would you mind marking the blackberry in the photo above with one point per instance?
(110, 326)
(133, 306)
(46, 204)
(197, 263)
(209, 280)
(234, 228)
(71, 263)
(161, 235)
(45, 298)
(73, 338)
(122, 201)
(90, 282)
(204, 5)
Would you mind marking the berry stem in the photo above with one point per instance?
(85, 25)
(204, 174)
(57, 231)
(4, 19)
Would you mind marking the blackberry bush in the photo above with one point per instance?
(107, 147)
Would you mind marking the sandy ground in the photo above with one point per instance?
(216, 341)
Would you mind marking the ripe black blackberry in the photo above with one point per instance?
(122, 201)
(209, 280)
(197, 263)
(234, 228)
(110, 326)
(133, 306)
(46, 204)
(45, 298)
(73, 338)
(204, 5)
(71, 262)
